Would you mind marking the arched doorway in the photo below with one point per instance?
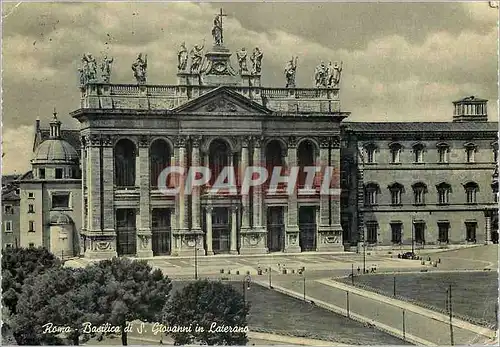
(125, 153)
(275, 229)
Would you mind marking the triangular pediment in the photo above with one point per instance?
(222, 100)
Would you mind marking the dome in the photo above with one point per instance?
(60, 218)
(55, 150)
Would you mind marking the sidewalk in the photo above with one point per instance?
(415, 325)
(487, 333)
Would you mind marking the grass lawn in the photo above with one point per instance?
(474, 294)
(281, 314)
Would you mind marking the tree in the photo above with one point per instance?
(17, 265)
(132, 290)
(40, 304)
(211, 305)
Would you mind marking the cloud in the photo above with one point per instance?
(401, 61)
(17, 144)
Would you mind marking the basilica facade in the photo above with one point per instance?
(96, 192)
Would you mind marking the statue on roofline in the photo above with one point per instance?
(256, 59)
(197, 57)
(290, 71)
(106, 68)
(242, 60)
(182, 57)
(139, 67)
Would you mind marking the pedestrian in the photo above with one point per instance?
(359, 270)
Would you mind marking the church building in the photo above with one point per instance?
(98, 191)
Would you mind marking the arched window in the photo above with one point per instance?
(371, 194)
(274, 158)
(443, 190)
(418, 153)
(419, 190)
(306, 156)
(396, 190)
(159, 159)
(125, 153)
(370, 150)
(219, 153)
(443, 152)
(470, 151)
(395, 152)
(471, 189)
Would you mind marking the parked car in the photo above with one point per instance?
(408, 255)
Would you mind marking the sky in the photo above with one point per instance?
(401, 61)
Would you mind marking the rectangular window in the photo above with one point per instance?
(443, 232)
(31, 208)
(396, 197)
(41, 173)
(443, 154)
(370, 155)
(60, 200)
(396, 229)
(470, 231)
(31, 245)
(395, 157)
(59, 173)
(419, 231)
(419, 196)
(31, 195)
(443, 196)
(8, 209)
(8, 245)
(419, 155)
(31, 226)
(470, 155)
(371, 232)
(8, 226)
(471, 196)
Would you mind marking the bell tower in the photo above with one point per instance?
(470, 109)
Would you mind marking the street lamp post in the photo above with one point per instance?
(364, 256)
(304, 280)
(195, 263)
(270, 285)
(413, 237)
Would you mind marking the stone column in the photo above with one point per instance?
(324, 204)
(144, 235)
(181, 226)
(208, 218)
(254, 241)
(83, 161)
(257, 190)
(102, 245)
(174, 241)
(330, 229)
(245, 201)
(195, 195)
(108, 184)
(233, 248)
(487, 226)
(292, 227)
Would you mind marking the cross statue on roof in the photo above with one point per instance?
(217, 29)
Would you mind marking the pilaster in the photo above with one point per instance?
(487, 226)
(144, 244)
(208, 218)
(330, 229)
(195, 195)
(102, 244)
(233, 248)
(291, 215)
(245, 201)
(254, 241)
(108, 184)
